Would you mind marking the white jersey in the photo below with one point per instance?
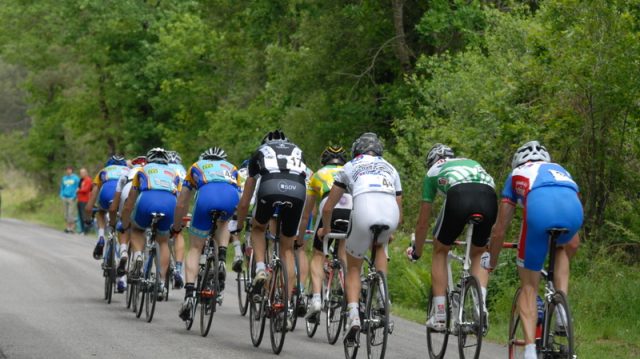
(366, 173)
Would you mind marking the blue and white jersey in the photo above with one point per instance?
(532, 175)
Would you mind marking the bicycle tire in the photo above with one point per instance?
(278, 306)
(153, 284)
(189, 323)
(141, 288)
(208, 305)
(295, 295)
(129, 289)
(472, 312)
(168, 278)
(350, 348)
(433, 337)
(336, 303)
(242, 281)
(377, 312)
(558, 343)
(257, 317)
(516, 341)
(109, 271)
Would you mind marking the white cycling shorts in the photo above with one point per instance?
(369, 209)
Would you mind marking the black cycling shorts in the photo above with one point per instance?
(283, 187)
(462, 201)
(338, 213)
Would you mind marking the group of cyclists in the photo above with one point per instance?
(364, 190)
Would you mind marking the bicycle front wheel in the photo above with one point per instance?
(558, 341)
(471, 328)
(516, 331)
(243, 298)
(209, 295)
(152, 284)
(109, 271)
(278, 306)
(377, 317)
(335, 304)
(437, 340)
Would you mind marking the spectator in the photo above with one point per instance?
(68, 192)
(83, 197)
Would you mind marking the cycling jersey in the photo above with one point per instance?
(366, 173)
(533, 175)
(124, 186)
(450, 172)
(106, 180)
(208, 171)
(321, 182)
(243, 174)
(180, 171)
(158, 177)
(282, 157)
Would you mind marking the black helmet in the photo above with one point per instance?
(334, 155)
(367, 142)
(174, 157)
(214, 153)
(117, 160)
(438, 152)
(157, 155)
(275, 136)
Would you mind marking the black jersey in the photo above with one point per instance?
(277, 157)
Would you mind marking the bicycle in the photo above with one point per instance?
(333, 291)
(147, 284)
(244, 278)
(171, 270)
(552, 340)
(463, 303)
(299, 300)
(272, 299)
(375, 318)
(109, 267)
(208, 286)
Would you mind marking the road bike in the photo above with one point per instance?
(333, 291)
(109, 266)
(554, 330)
(244, 278)
(374, 298)
(147, 284)
(464, 305)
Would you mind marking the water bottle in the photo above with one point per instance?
(540, 304)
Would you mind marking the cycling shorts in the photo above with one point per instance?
(371, 208)
(545, 208)
(281, 187)
(157, 201)
(123, 196)
(219, 196)
(105, 197)
(462, 201)
(342, 211)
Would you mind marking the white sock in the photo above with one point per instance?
(123, 250)
(100, 232)
(260, 266)
(316, 297)
(439, 303)
(483, 290)
(137, 254)
(237, 249)
(530, 351)
(353, 310)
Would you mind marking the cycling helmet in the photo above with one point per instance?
(333, 155)
(174, 157)
(139, 161)
(214, 153)
(117, 160)
(245, 164)
(530, 152)
(275, 136)
(438, 152)
(157, 155)
(367, 142)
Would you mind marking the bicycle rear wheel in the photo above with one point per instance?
(152, 284)
(243, 298)
(377, 313)
(516, 341)
(351, 346)
(209, 295)
(109, 271)
(335, 304)
(278, 307)
(257, 317)
(558, 341)
(437, 340)
(129, 291)
(295, 297)
(141, 291)
(471, 329)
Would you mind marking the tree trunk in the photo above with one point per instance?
(104, 111)
(401, 49)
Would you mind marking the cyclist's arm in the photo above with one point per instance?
(128, 207)
(399, 201)
(306, 213)
(245, 200)
(505, 214)
(327, 211)
(92, 201)
(113, 209)
(182, 206)
(422, 226)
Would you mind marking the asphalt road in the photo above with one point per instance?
(51, 307)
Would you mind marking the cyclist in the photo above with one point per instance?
(243, 174)
(104, 187)
(115, 210)
(377, 200)
(332, 160)
(299, 250)
(175, 162)
(549, 198)
(281, 168)
(216, 184)
(153, 189)
(468, 189)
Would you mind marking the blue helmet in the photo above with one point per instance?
(116, 160)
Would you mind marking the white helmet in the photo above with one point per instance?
(531, 151)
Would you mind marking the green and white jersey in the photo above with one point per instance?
(449, 172)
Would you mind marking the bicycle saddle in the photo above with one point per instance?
(475, 218)
(378, 228)
(555, 232)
